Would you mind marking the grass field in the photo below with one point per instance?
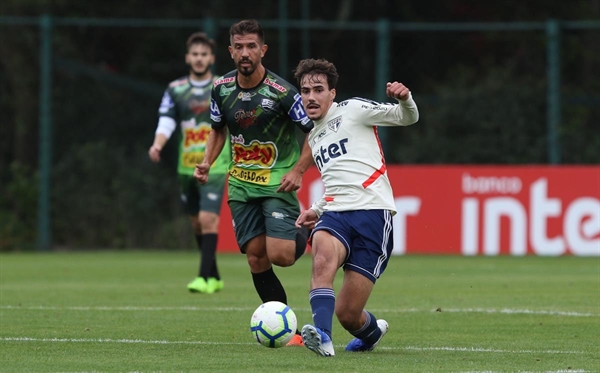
(130, 312)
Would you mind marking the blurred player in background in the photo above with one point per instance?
(187, 102)
(353, 220)
(261, 111)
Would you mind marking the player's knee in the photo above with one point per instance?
(258, 263)
(209, 222)
(281, 252)
(324, 265)
(196, 226)
(282, 258)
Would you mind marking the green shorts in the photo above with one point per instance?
(196, 197)
(259, 209)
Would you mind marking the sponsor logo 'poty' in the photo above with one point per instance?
(255, 154)
(196, 136)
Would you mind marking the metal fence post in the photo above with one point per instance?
(44, 233)
(283, 39)
(553, 94)
(210, 27)
(382, 72)
(305, 30)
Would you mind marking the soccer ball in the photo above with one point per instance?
(273, 324)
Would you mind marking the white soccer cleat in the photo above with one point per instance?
(317, 340)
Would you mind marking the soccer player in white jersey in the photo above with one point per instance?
(353, 220)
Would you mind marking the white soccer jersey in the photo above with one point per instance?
(348, 153)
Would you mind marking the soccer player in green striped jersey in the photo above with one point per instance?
(260, 111)
(186, 102)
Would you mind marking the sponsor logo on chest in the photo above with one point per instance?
(267, 92)
(226, 91)
(326, 153)
(224, 81)
(278, 87)
(196, 136)
(246, 96)
(198, 107)
(245, 118)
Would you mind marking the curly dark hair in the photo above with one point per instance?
(316, 67)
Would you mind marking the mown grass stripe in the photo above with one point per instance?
(409, 348)
(506, 311)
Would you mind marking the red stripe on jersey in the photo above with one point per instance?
(382, 169)
(328, 199)
(374, 176)
(379, 144)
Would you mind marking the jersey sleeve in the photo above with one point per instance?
(216, 116)
(167, 106)
(319, 206)
(373, 113)
(292, 103)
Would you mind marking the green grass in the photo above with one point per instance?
(130, 311)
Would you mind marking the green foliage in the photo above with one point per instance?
(493, 118)
(105, 196)
(18, 202)
(130, 311)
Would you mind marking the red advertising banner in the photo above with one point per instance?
(487, 210)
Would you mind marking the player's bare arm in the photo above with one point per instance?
(397, 90)
(214, 146)
(159, 143)
(293, 179)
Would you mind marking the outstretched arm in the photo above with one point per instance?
(404, 113)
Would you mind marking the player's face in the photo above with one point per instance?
(316, 95)
(200, 58)
(247, 52)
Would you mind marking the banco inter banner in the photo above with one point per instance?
(488, 210)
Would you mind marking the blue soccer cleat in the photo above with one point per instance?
(357, 345)
(317, 340)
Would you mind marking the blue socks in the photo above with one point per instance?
(322, 303)
(369, 333)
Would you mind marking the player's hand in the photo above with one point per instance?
(290, 182)
(201, 172)
(397, 90)
(308, 218)
(154, 153)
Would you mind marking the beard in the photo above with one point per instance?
(198, 72)
(246, 70)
